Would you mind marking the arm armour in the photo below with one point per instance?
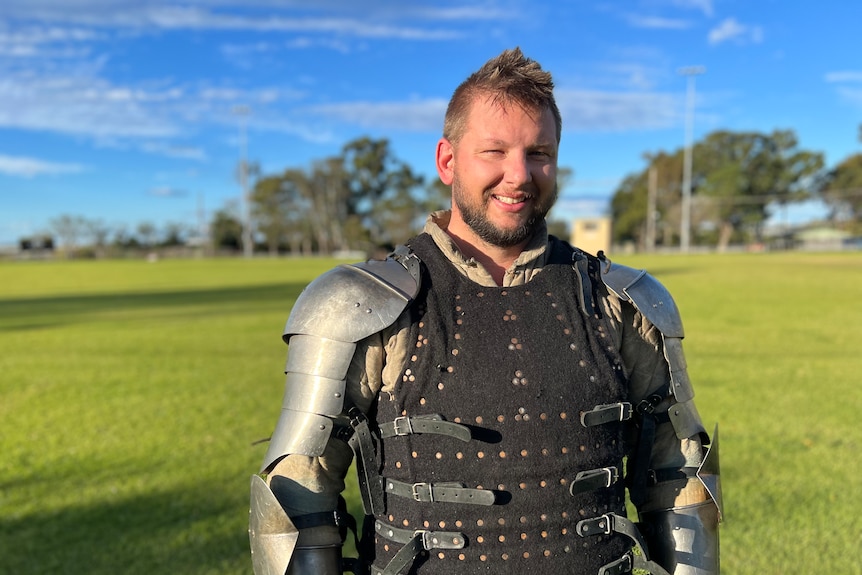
(338, 309)
(332, 314)
(681, 536)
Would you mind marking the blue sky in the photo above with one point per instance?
(127, 111)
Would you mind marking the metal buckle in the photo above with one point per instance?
(606, 521)
(613, 475)
(429, 541)
(397, 425)
(625, 410)
(414, 489)
(603, 525)
(647, 405)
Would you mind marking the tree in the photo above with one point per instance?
(147, 233)
(382, 191)
(273, 205)
(841, 189)
(735, 176)
(630, 203)
(361, 198)
(70, 229)
(226, 229)
(743, 172)
(175, 234)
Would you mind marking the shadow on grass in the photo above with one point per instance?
(53, 311)
(166, 532)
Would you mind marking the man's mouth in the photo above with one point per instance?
(510, 200)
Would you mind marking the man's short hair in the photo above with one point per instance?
(508, 78)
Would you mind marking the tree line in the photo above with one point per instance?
(365, 198)
(738, 180)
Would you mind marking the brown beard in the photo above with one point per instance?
(476, 219)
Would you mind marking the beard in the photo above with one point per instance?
(475, 216)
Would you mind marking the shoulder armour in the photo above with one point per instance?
(647, 294)
(654, 301)
(354, 301)
(331, 315)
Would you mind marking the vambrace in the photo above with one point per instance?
(680, 520)
(681, 509)
(273, 540)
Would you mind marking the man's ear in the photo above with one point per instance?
(445, 161)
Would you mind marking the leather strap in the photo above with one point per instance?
(606, 413)
(424, 424)
(594, 479)
(619, 567)
(366, 464)
(613, 523)
(430, 539)
(414, 543)
(439, 492)
(655, 476)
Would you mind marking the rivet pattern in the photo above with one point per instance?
(483, 363)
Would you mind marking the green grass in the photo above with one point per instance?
(131, 395)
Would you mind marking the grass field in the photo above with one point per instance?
(131, 395)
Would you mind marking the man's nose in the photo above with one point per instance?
(518, 169)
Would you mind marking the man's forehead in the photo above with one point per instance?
(482, 107)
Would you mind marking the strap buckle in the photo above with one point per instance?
(625, 410)
(612, 474)
(428, 495)
(402, 425)
(602, 525)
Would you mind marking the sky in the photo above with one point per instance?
(133, 111)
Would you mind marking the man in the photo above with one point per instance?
(499, 388)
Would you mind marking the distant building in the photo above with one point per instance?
(592, 234)
(822, 239)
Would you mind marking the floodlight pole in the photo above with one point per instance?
(685, 219)
(247, 246)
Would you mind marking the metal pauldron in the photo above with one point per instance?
(335, 311)
(655, 303)
(331, 315)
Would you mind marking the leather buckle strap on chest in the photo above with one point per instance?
(371, 483)
(362, 444)
(414, 543)
(440, 492)
(593, 479)
(607, 413)
(433, 424)
(650, 418)
(613, 523)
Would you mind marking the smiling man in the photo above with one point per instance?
(498, 388)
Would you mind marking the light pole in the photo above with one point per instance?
(685, 219)
(247, 246)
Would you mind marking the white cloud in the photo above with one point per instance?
(420, 116)
(217, 15)
(851, 95)
(731, 30)
(658, 23)
(704, 6)
(82, 106)
(22, 166)
(589, 110)
(582, 110)
(844, 76)
(174, 151)
(166, 192)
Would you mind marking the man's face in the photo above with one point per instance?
(503, 172)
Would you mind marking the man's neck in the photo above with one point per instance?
(495, 259)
